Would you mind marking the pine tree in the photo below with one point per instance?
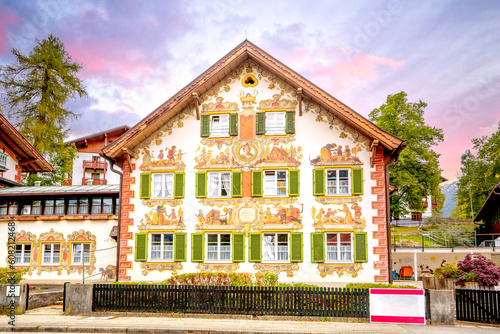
(35, 89)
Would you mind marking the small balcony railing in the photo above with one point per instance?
(95, 182)
(94, 164)
(3, 162)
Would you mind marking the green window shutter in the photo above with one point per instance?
(318, 182)
(141, 246)
(238, 247)
(294, 182)
(197, 247)
(317, 247)
(261, 123)
(201, 184)
(205, 125)
(360, 247)
(257, 186)
(180, 243)
(236, 184)
(233, 124)
(145, 185)
(296, 247)
(254, 247)
(179, 185)
(290, 122)
(357, 181)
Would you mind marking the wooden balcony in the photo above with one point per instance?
(89, 164)
(67, 182)
(95, 182)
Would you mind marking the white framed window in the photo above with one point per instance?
(161, 247)
(339, 247)
(275, 247)
(54, 206)
(22, 254)
(338, 182)
(219, 125)
(163, 185)
(78, 251)
(275, 123)
(219, 184)
(276, 183)
(51, 253)
(218, 247)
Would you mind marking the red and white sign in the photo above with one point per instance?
(400, 306)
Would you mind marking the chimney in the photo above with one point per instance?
(89, 182)
(38, 183)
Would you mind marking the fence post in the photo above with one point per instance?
(452, 246)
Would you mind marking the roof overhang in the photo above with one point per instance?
(100, 136)
(229, 63)
(29, 158)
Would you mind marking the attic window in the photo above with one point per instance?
(249, 81)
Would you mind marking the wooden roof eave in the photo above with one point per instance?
(226, 65)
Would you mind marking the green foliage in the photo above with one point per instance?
(448, 270)
(417, 174)
(8, 276)
(379, 286)
(479, 173)
(34, 91)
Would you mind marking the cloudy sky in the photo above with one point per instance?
(137, 54)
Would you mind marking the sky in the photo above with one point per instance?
(137, 54)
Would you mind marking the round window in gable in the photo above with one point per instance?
(249, 81)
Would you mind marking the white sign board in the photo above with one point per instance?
(400, 306)
(13, 291)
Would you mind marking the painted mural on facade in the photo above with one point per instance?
(245, 95)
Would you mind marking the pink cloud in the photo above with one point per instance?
(482, 128)
(7, 18)
(338, 72)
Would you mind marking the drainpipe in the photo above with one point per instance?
(112, 168)
(392, 162)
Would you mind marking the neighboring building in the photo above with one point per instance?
(416, 216)
(89, 167)
(55, 224)
(490, 213)
(17, 156)
(252, 168)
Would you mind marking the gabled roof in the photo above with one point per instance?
(99, 136)
(243, 52)
(490, 206)
(29, 158)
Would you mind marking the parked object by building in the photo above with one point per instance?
(252, 168)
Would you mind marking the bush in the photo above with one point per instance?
(485, 270)
(15, 276)
(448, 270)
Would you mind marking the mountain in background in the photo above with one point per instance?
(450, 191)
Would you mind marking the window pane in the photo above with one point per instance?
(72, 206)
(269, 244)
(36, 207)
(3, 209)
(49, 207)
(60, 206)
(84, 205)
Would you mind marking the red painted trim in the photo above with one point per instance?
(397, 319)
(417, 292)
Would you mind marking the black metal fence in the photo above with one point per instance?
(478, 305)
(252, 300)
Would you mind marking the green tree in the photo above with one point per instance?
(35, 89)
(417, 174)
(479, 173)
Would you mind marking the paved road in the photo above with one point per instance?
(60, 323)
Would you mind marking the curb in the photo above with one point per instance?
(124, 330)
